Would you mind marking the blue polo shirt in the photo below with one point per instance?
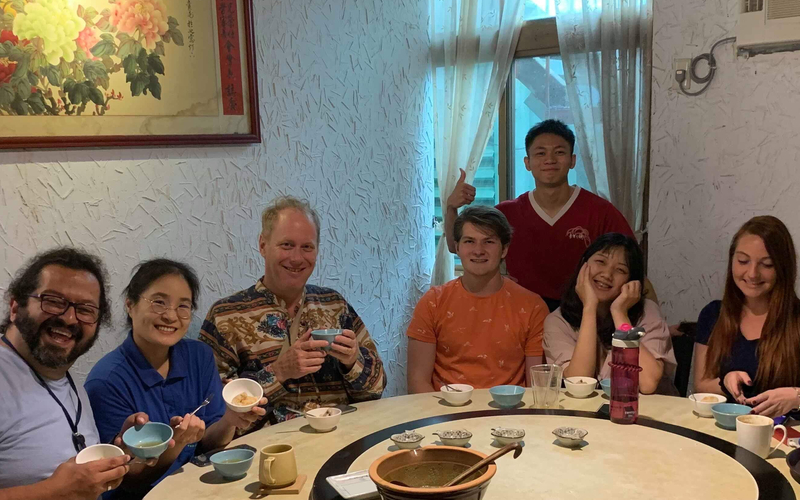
(123, 382)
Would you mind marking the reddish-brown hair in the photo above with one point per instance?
(779, 345)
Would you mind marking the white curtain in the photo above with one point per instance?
(473, 44)
(606, 48)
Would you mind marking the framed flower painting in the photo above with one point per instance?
(86, 73)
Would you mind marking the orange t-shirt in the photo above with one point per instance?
(480, 341)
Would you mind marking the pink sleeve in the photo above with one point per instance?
(657, 338)
(559, 339)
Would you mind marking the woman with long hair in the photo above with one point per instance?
(158, 371)
(604, 293)
(748, 344)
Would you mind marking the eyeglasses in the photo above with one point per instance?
(55, 305)
(158, 306)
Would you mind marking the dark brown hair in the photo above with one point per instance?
(27, 279)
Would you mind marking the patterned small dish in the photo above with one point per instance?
(570, 437)
(507, 436)
(454, 438)
(408, 440)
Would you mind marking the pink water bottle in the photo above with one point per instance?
(625, 374)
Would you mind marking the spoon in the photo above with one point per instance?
(295, 411)
(491, 458)
(452, 389)
(204, 403)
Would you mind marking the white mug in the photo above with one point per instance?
(754, 433)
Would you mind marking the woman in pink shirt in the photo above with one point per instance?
(604, 293)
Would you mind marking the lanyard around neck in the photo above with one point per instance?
(77, 438)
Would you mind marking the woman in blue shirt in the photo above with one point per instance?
(158, 372)
(748, 344)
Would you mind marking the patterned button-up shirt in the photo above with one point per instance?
(250, 329)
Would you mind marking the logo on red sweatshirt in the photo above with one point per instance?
(579, 233)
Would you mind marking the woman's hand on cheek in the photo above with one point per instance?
(629, 295)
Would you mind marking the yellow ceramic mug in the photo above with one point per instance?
(277, 467)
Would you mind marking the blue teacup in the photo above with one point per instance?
(726, 413)
(149, 440)
(328, 335)
(606, 385)
(233, 464)
(507, 396)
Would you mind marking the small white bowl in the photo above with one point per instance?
(238, 386)
(454, 438)
(570, 437)
(456, 398)
(512, 435)
(408, 440)
(703, 408)
(323, 419)
(580, 387)
(98, 452)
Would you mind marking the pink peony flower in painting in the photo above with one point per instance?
(58, 56)
(149, 17)
(87, 39)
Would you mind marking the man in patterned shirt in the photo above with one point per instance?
(264, 332)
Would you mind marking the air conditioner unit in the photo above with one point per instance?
(767, 26)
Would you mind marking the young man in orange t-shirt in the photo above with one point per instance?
(480, 329)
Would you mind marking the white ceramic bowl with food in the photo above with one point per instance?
(242, 394)
(460, 396)
(506, 436)
(454, 438)
(323, 419)
(407, 440)
(703, 401)
(580, 387)
(98, 452)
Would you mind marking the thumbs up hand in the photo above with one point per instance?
(463, 193)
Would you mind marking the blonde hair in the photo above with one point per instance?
(278, 205)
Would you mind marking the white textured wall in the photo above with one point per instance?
(717, 159)
(347, 123)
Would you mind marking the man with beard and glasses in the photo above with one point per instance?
(56, 304)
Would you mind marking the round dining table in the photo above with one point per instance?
(670, 452)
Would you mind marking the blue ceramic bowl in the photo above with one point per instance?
(507, 396)
(726, 413)
(328, 335)
(606, 385)
(149, 440)
(233, 464)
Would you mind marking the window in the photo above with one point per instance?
(486, 181)
(535, 92)
(539, 9)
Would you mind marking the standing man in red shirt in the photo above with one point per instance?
(554, 223)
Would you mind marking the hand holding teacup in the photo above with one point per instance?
(87, 481)
(243, 420)
(300, 359)
(345, 348)
(137, 420)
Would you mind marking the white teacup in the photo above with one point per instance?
(754, 433)
(98, 452)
